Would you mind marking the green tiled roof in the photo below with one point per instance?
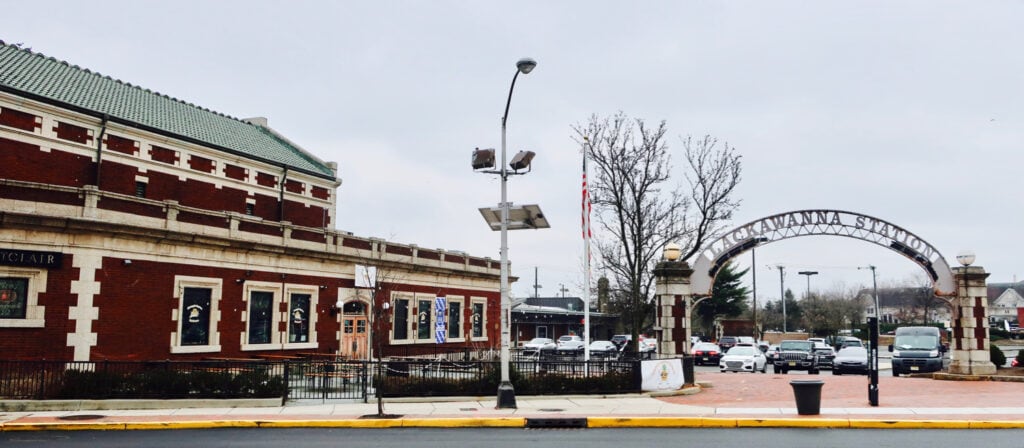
(21, 70)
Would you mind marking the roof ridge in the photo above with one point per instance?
(124, 83)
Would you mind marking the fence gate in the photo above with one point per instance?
(329, 380)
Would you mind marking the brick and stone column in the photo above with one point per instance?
(970, 346)
(672, 288)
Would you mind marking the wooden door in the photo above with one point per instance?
(354, 337)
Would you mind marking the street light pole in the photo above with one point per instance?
(808, 274)
(873, 370)
(506, 394)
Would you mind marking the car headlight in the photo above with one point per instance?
(895, 353)
(933, 353)
(809, 356)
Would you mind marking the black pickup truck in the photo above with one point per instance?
(796, 355)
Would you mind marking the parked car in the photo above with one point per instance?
(796, 355)
(851, 360)
(648, 345)
(826, 355)
(706, 353)
(620, 340)
(743, 358)
(727, 342)
(604, 350)
(569, 344)
(538, 346)
(772, 353)
(849, 341)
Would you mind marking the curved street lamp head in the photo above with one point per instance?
(526, 65)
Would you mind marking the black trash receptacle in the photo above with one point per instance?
(808, 396)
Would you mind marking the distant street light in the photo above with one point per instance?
(808, 274)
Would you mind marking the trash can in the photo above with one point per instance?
(808, 396)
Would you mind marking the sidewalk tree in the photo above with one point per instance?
(638, 210)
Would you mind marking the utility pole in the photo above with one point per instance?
(753, 268)
(562, 289)
(782, 294)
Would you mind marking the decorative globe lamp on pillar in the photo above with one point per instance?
(672, 288)
(970, 346)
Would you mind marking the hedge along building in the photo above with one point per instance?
(679, 287)
(136, 226)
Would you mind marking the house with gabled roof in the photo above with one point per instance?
(134, 225)
(1006, 302)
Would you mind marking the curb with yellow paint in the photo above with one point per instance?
(520, 422)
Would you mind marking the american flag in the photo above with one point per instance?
(586, 201)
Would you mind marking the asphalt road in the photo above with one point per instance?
(518, 438)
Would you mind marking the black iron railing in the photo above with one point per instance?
(323, 378)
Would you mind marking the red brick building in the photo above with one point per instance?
(137, 226)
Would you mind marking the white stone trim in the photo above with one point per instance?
(35, 314)
(216, 287)
(83, 313)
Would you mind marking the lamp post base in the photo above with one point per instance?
(506, 396)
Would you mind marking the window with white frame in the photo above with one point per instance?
(19, 297)
(400, 328)
(478, 319)
(262, 315)
(455, 319)
(197, 315)
(302, 302)
(424, 318)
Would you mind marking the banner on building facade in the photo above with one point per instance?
(440, 308)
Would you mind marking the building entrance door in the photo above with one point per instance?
(353, 337)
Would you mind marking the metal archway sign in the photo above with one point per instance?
(820, 222)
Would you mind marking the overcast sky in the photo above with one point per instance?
(906, 111)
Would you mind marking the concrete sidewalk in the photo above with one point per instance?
(732, 400)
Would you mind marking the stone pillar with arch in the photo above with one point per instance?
(672, 290)
(969, 354)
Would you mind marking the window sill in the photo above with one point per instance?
(22, 323)
(195, 349)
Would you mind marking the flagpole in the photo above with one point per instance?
(586, 257)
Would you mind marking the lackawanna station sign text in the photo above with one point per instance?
(822, 222)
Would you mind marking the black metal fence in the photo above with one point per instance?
(306, 379)
(48, 380)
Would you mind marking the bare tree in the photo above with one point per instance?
(638, 210)
(713, 176)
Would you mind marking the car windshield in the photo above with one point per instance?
(742, 350)
(539, 340)
(916, 342)
(852, 352)
(565, 338)
(796, 345)
(706, 347)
